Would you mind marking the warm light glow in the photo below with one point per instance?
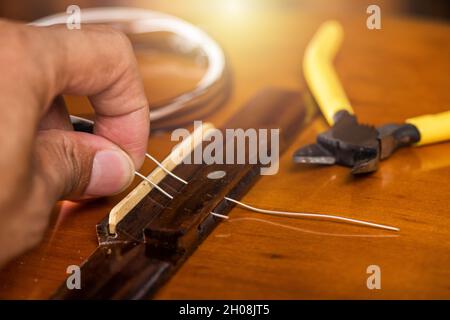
(234, 7)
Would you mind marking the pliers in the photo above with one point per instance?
(348, 142)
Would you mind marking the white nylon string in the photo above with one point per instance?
(159, 164)
(218, 215)
(313, 215)
(269, 212)
(153, 184)
(317, 233)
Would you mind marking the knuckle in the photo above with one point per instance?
(118, 50)
(73, 166)
(67, 174)
(115, 37)
(122, 41)
(124, 48)
(78, 165)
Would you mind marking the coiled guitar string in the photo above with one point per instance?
(265, 211)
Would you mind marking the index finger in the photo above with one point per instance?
(99, 62)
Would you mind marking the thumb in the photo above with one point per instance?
(74, 165)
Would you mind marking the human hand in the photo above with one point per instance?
(42, 159)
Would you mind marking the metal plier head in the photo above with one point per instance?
(356, 145)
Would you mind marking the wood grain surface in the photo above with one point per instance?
(389, 75)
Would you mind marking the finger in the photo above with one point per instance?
(72, 166)
(56, 117)
(99, 62)
(41, 63)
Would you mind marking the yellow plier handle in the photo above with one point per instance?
(320, 74)
(327, 90)
(432, 128)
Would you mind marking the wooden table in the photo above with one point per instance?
(391, 74)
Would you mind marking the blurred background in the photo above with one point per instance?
(28, 10)
(264, 41)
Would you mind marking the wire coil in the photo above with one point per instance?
(212, 87)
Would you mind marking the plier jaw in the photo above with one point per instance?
(355, 145)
